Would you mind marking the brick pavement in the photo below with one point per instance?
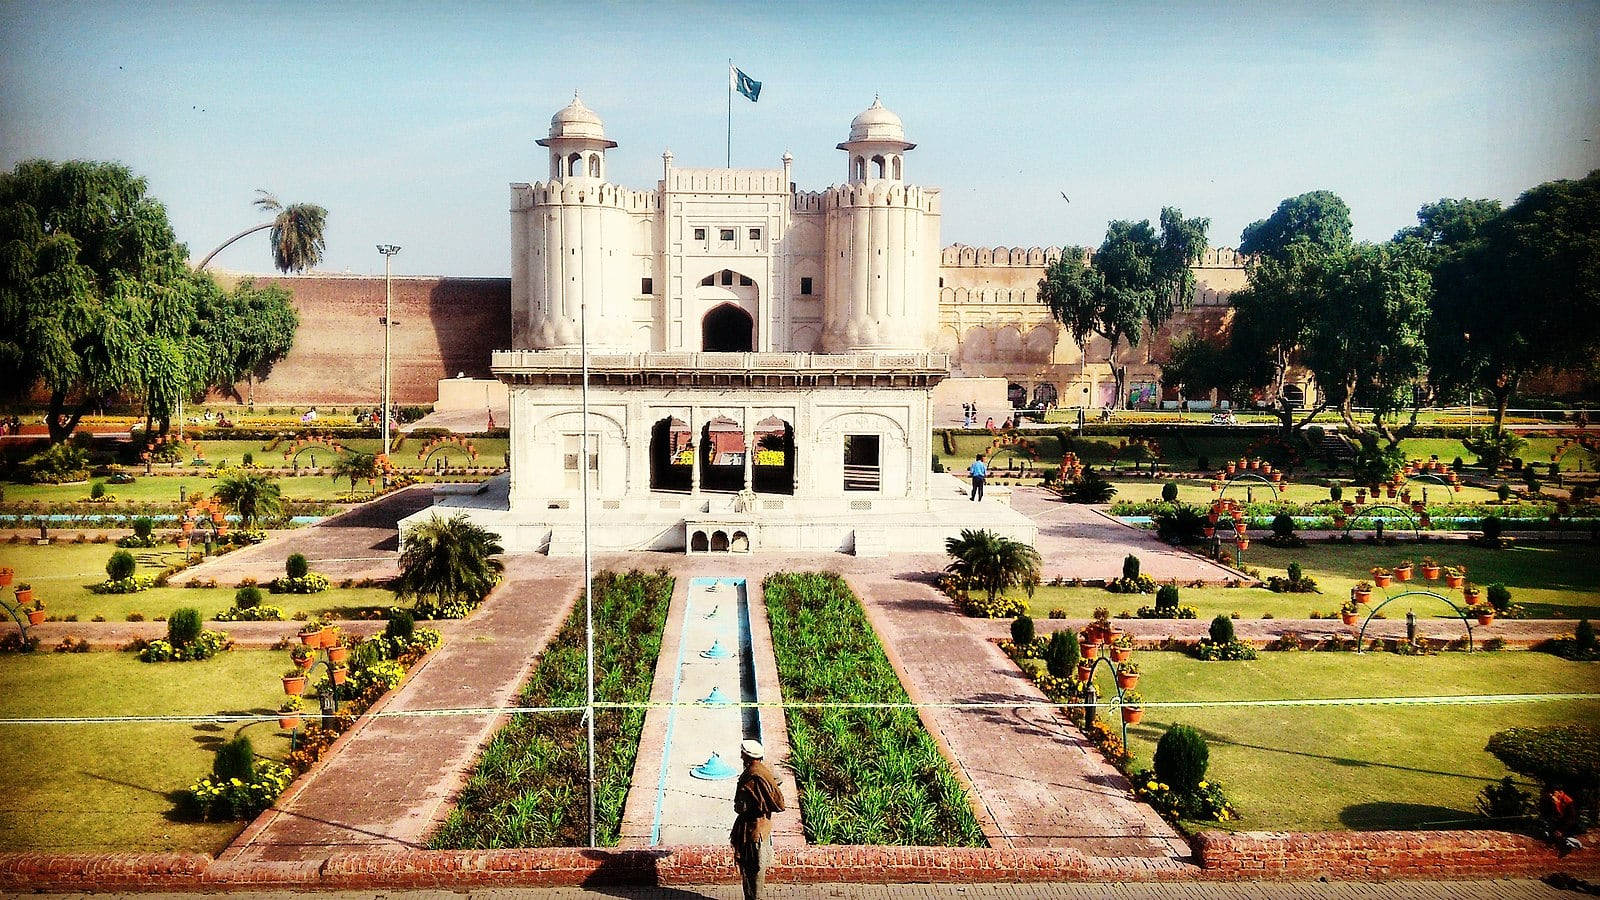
(1317, 890)
(1078, 541)
(1040, 783)
(387, 783)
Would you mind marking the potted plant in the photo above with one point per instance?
(36, 616)
(330, 635)
(1339, 520)
(1132, 707)
(1486, 615)
(6, 574)
(1348, 507)
(1102, 622)
(183, 542)
(24, 594)
(1402, 572)
(1430, 568)
(311, 634)
(1127, 675)
(1347, 612)
(1208, 530)
(338, 653)
(294, 682)
(1243, 541)
(1455, 576)
(289, 714)
(1381, 576)
(1362, 592)
(1085, 669)
(302, 656)
(1471, 592)
(341, 674)
(1361, 495)
(1089, 647)
(1122, 647)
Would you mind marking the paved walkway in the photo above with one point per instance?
(1040, 782)
(387, 784)
(1077, 541)
(1400, 890)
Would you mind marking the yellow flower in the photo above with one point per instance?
(1203, 785)
(1151, 786)
(1163, 787)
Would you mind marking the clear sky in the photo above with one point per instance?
(408, 120)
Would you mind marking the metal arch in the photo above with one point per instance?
(1367, 514)
(336, 449)
(17, 612)
(464, 449)
(1460, 613)
(1427, 478)
(1237, 477)
(1093, 667)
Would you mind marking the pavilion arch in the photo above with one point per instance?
(861, 168)
(699, 543)
(948, 340)
(719, 541)
(739, 543)
(772, 471)
(671, 455)
(594, 166)
(879, 169)
(896, 165)
(728, 328)
(1008, 344)
(1040, 344)
(978, 346)
(805, 340)
(575, 164)
(721, 457)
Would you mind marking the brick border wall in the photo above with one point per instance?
(1259, 856)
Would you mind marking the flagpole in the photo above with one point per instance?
(730, 113)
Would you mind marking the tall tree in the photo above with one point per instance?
(1137, 279)
(80, 243)
(1318, 218)
(297, 239)
(1516, 298)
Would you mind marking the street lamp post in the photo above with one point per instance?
(388, 251)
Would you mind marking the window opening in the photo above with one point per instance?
(861, 462)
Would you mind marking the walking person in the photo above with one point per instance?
(979, 471)
(755, 798)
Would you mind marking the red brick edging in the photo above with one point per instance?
(1359, 856)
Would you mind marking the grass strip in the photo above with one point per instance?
(866, 776)
(529, 786)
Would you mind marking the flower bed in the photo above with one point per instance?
(381, 664)
(866, 776)
(528, 788)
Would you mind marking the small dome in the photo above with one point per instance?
(875, 123)
(576, 120)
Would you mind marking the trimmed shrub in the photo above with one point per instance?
(247, 597)
(1169, 492)
(1283, 525)
(97, 490)
(1181, 758)
(1584, 638)
(1504, 800)
(1336, 493)
(1492, 525)
(1062, 654)
(183, 626)
(235, 759)
(400, 627)
(1222, 630)
(1499, 597)
(1166, 597)
(1130, 567)
(121, 565)
(142, 527)
(296, 566)
(1563, 756)
(1022, 631)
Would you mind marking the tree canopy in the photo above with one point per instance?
(1318, 218)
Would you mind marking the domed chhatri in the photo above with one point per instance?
(877, 123)
(576, 121)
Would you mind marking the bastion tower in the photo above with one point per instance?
(572, 242)
(882, 245)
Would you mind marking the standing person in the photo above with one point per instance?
(755, 798)
(979, 471)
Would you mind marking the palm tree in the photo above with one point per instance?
(986, 560)
(297, 242)
(252, 496)
(355, 466)
(448, 560)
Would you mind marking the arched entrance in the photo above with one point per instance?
(1294, 397)
(671, 456)
(1016, 395)
(722, 456)
(728, 328)
(1044, 394)
(773, 472)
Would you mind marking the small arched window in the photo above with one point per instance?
(897, 168)
(877, 167)
(861, 169)
(594, 166)
(575, 164)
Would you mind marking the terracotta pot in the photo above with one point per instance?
(288, 723)
(1430, 572)
(1126, 682)
(1485, 618)
(1132, 714)
(305, 662)
(1121, 654)
(1213, 517)
(183, 542)
(1244, 543)
(24, 596)
(339, 653)
(36, 616)
(1471, 596)
(1349, 618)
(311, 638)
(188, 527)
(1402, 573)
(294, 686)
(1090, 651)
(1454, 581)
(1382, 580)
(1231, 468)
(340, 674)
(1361, 596)
(1339, 522)
(1084, 672)
(1426, 522)
(330, 637)
(6, 575)
(1349, 508)
(1209, 531)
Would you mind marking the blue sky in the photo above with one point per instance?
(408, 120)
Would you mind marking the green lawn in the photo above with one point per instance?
(1551, 581)
(61, 575)
(166, 489)
(1199, 493)
(1359, 767)
(104, 787)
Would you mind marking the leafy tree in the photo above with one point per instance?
(992, 563)
(1181, 758)
(1448, 225)
(183, 626)
(1320, 219)
(252, 496)
(1061, 655)
(448, 560)
(1511, 301)
(1197, 366)
(297, 241)
(356, 467)
(121, 565)
(247, 331)
(84, 255)
(1137, 278)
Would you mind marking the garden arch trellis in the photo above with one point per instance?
(1460, 614)
(1367, 513)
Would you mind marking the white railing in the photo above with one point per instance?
(866, 361)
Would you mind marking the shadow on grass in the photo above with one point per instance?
(1152, 732)
(179, 807)
(1404, 817)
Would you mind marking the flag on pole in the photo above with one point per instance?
(744, 84)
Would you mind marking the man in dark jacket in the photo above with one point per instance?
(755, 798)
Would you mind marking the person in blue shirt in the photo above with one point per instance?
(979, 472)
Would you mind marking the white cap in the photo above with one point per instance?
(752, 749)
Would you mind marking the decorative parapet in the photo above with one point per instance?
(961, 255)
(582, 191)
(887, 368)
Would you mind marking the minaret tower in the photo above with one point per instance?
(882, 245)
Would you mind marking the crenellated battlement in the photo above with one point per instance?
(808, 201)
(882, 193)
(726, 181)
(961, 255)
(582, 192)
